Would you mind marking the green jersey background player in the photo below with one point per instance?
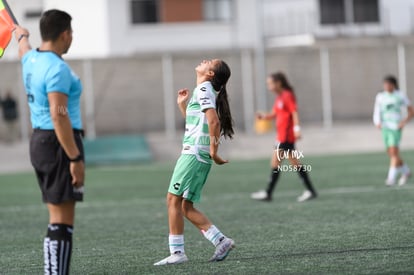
(388, 116)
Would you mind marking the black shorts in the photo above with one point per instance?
(285, 146)
(51, 165)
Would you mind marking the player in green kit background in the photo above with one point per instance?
(208, 117)
(388, 116)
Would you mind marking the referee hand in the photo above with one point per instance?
(77, 171)
(19, 32)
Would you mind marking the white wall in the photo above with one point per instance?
(398, 16)
(290, 17)
(90, 26)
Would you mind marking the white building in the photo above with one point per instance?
(104, 28)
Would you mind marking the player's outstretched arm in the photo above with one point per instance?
(22, 38)
(266, 116)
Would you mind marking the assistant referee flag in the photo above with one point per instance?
(7, 22)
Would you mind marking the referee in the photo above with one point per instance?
(56, 150)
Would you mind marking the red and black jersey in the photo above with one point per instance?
(284, 106)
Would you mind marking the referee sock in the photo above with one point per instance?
(57, 249)
(214, 235)
(306, 181)
(176, 243)
(274, 176)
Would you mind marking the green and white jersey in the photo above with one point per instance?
(388, 110)
(197, 138)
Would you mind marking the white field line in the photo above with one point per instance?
(237, 196)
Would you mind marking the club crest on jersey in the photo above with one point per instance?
(280, 105)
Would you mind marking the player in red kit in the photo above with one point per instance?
(288, 130)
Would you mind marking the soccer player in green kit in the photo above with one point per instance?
(208, 118)
(388, 116)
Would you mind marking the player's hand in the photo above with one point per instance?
(378, 126)
(298, 134)
(260, 116)
(77, 171)
(19, 31)
(218, 160)
(183, 96)
(401, 125)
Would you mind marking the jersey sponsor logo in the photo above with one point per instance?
(177, 186)
(204, 89)
(205, 101)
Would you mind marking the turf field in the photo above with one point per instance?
(357, 226)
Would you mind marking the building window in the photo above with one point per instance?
(217, 10)
(348, 11)
(366, 11)
(332, 11)
(144, 11)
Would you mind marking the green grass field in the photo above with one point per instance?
(357, 226)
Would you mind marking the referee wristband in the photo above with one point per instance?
(21, 37)
(76, 159)
(296, 128)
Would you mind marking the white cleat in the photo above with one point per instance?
(260, 196)
(222, 250)
(389, 182)
(307, 195)
(404, 179)
(177, 258)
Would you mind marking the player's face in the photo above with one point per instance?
(388, 86)
(271, 85)
(206, 67)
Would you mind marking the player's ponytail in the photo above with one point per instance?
(221, 76)
(284, 82)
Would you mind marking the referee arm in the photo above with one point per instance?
(64, 132)
(22, 38)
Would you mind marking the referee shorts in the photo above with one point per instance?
(51, 165)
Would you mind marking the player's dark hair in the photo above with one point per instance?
(222, 74)
(53, 23)
(282, 78)
(392, 80)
